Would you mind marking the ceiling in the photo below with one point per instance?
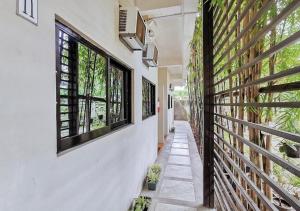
(173, 23)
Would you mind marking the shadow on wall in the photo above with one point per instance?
(180, 110)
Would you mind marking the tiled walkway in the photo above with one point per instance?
(180, 185)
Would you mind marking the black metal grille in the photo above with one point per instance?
(245, 102)
(254, 90)
(148, 93)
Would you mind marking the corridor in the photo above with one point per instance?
(180, 185)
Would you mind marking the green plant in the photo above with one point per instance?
(156, 168)
(283, 144)
(152, 177)
(141, 203)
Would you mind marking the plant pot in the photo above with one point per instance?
(292, 152)
(281, 204)
(151, 186)
(132, 207)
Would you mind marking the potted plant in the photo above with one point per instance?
(281, 204)
(291, 149)
(156, 168)
(152, 179)
(142, 203)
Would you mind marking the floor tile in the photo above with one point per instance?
(180, 134)
(173, 159)
(180, 190)
(180, 145)
(180, 140)
(184, 172)
(171, 207)
(185, 137)
(176, 151)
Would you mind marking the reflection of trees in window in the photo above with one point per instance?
(148, 94)
(91, 89)
(116, 94)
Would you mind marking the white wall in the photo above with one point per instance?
(101, 175)
(166, 116)
(171, 110)
(162, 117)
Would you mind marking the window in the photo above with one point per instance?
(148, 93)
(169, 102)
(86, 78)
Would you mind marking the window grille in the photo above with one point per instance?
(148, 94)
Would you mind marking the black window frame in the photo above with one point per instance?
(75, 138)
(151, 98)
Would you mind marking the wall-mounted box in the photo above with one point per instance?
(150, 55)
(132, 28)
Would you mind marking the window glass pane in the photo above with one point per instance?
(116, 95)
(91, 87)
(83, 116)
(99, 85)
(98, 114)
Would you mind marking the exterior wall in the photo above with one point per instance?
(171, 110)
(101, 175)
(161, 97)
(163, 102)
(166, 116)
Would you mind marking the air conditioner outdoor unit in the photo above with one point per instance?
(150, 55)
(132, 28)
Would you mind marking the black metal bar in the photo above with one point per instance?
(219, 26)
(272, 131)
(236, 182)
(219, 173)
(271, 51)
(283, 193)
(283, 163)
(224, 197)
(275, 76)
(259, 193)
(225, 27)
(208, 172)
(220, 199)
(240, 18)
(281, 88)
(217, 19)
(284, 13)
(253, 21)
(268, 105)
(220, 183)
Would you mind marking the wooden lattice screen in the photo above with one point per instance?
(251, 82)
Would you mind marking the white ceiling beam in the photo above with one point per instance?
(156, 4)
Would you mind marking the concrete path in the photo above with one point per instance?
(180, 185)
